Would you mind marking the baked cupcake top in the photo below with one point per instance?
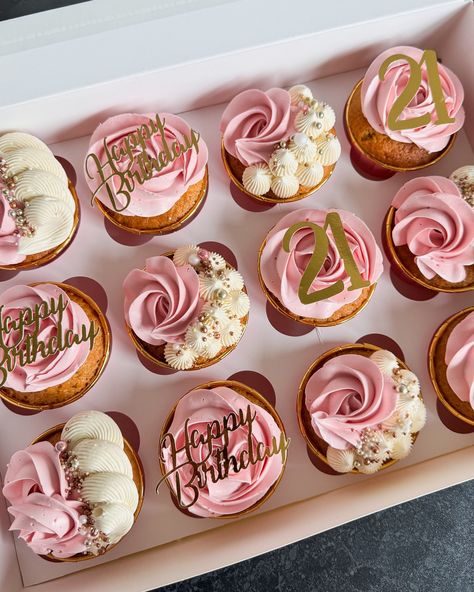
(222, 452)
(193, 303)
(284, 139)
(292, 248)
(379, 95)
(459, 359)
(37, 209)
(76, 496)
(366, 409)
(437, 225)
(45, 337)
(141, 164)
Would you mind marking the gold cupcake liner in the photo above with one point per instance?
(164, 229)
(328, 171)
(437, 368)
(139, 344)
(104, 325)
(304, 419)
(53, 435)
(51, 254)
(389, 224)
(307, 320)
(379, 162)
(254, 397)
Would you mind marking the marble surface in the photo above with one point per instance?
(422, 546)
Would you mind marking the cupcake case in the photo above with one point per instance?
(99, 259)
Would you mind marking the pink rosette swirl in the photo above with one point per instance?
(158, 194)
(378, 97)
(36, 487)
(254, 121)
(437, 225)
(282, 272)
(9, 254)
(56, 368)
(459, 359)
(161, 301)
(237, 491)
(348, 394)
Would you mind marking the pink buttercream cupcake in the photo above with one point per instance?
(373, 98)
(186, 310)
(360, 408)
(429, 232)
(451, 364)
(339, 286)
(76, 491)
(223, 450)
(55, 342)
(279, 145)
(147, 172)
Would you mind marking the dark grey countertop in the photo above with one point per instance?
(422, 546)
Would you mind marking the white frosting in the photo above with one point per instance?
(303, 148)
(310, 175)
(341, 461)
(114, 520)
(23, 159)
(285, 186)
(300, 92)
(236, 303)
(257, 179)
(110, 488)
(309, 124)
(234, 280)
(325, 114)
(217, 261)
(385, 360)
(212, 348)
(186, 255)
(400, 446)
(91, 424)
(181, 358)
(283, 162)
(329, 149)
(231, 333)
(100, 456)
(370, 468)
(418, 416)
(208, 286)
(16, 140)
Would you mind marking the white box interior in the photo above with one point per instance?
(444, 27)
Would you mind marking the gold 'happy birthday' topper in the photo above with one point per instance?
(25, 330)
(141, 165)
(413, 85)
(218, 463)
(320, 252)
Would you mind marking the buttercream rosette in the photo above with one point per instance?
(433, 226)
(38, 213)
(73, 495)
(282, 271)
(279, 145)
(238, 491)
(186, 310)
(363, 409)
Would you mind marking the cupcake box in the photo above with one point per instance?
(67, 109)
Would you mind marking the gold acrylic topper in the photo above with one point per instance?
(218, 462)
(141, 165)
(26, 328)
(320, 252)
(412, 87)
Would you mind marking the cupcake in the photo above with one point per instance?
(186, 310)
(55, 343)
(76, 491)
(223, 450)
(319, 267)
(39, 208)
(429, 234)
(360, 408)
(451, 364)
(279, 145)
(368, 108)
(147, 173)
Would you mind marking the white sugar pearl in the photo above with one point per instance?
(194, 260)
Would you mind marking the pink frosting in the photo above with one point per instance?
(161, 301)
(282, 271)
(460, 359)
(379, 96)
(239, 491)
(437, 225)
(36, 487)
(254, 121)
(158, 194)
(9, 254)
(54, 369)
(348, 394)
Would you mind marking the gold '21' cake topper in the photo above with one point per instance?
(141, 166)
(413, 85)
(218, 462)
(320, 252)
(26, 329)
